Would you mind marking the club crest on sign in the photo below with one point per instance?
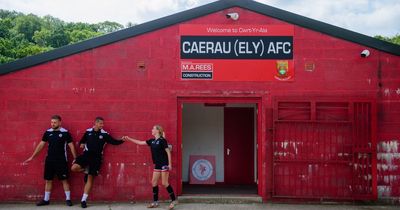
(282, 70)
(202, 169)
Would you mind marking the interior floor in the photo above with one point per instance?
(219, 189)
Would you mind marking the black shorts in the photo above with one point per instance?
(59, 168)
(91, 161)
(161, 167)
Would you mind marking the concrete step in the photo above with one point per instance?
(223, 199)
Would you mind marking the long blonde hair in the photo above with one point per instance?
(160, 130)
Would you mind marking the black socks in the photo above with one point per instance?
(171, 192)
(155, 193)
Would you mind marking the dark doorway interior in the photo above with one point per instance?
(219, 189)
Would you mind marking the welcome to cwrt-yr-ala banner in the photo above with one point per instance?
(236, 53)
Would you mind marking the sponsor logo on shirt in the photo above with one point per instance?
(100, 137)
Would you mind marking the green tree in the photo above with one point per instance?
(24, 35)
(6, 50)
(42, 37)
(5, 26)
(5, 59)
(108, 27)
(394, 39)
(80, 35)
(27, 25)
(130, 24)
(9, 14)
(80, 26)
(58, 38)
(50, 23)
(29, 49)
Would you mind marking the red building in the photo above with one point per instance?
(288, 106)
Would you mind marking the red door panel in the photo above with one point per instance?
(239, 145)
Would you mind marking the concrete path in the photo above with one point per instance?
(200, 206)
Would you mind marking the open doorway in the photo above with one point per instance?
(228, 132)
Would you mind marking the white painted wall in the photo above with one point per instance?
(203, 134)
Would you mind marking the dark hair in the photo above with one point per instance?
(99, 119)
(56, 117)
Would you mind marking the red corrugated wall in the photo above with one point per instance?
(107, 82)
(388, 151)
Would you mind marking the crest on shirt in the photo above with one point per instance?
(60, 135)
(100, 137)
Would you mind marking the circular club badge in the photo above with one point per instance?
(202, 169)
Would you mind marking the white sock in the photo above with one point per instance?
(46, 196)
(67, 195)
(84, 197)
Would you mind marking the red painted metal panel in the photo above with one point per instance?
(324, 149)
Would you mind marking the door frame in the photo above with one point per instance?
(220, 100)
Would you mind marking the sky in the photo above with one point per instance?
(369, 17)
